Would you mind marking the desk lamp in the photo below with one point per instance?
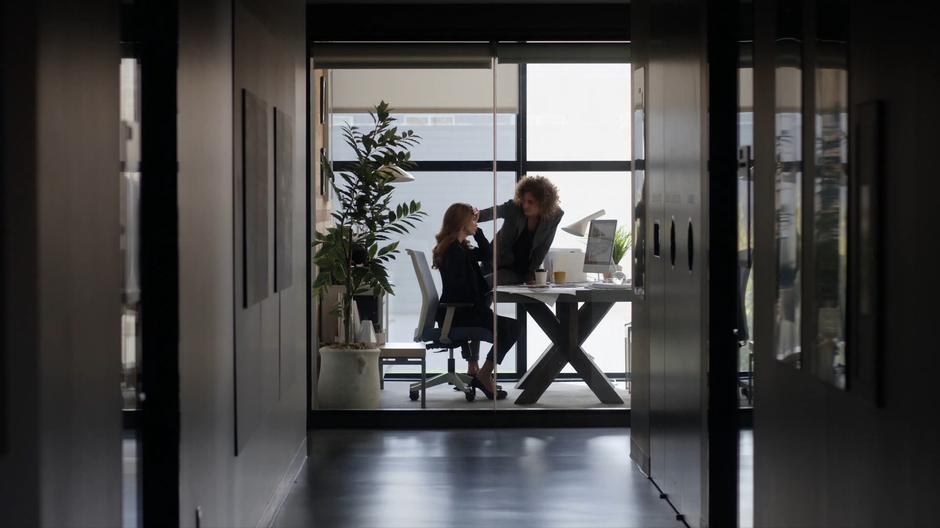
(580, 228)
(399, 175)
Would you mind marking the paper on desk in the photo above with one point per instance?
(547, 295)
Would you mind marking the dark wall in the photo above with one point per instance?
(676, 290)
(824, 456)
(224, 47)
(410, 20)
(19, 450)
(639, 367)
(60, 463)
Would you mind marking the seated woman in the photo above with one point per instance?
(529, 223)
(463, 282)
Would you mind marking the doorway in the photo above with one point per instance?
(558, 111)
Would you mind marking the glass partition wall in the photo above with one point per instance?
(480, 131)
(130, 179)
(458, 132)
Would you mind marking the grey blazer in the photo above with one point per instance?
(514, 222)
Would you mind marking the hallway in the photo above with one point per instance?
(206, 240)
(543, 478)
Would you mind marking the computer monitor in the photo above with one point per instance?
(599, 256)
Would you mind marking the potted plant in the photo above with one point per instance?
(623, 239)
(353, 254)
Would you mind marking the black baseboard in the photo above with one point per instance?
(448, 419)
(475, 419)
(470, 419)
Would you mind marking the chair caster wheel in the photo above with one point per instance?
(413, 395)
(470, 394)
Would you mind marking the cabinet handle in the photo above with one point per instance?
(672, 241)
(656, 245)
(691, 245)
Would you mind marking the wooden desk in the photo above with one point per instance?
(567, 328)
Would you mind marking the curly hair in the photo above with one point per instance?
(544, 192)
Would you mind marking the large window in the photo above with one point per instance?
(445, 137)
(578, 127)
(578, 112)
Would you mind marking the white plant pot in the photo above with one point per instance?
(349, 378)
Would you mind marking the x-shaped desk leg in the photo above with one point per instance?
(567, 331)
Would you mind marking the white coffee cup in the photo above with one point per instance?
(541, 278)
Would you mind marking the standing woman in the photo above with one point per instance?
(530, 220)
(463, 282)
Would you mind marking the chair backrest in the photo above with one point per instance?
(429, 297)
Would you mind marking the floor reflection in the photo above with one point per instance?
(508, 477)
(746, 479)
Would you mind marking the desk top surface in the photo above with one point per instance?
(564, 293)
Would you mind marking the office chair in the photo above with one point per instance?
(446, 336)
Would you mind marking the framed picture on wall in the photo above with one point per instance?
(254, 199)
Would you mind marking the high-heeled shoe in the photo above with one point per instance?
(477, 384)
(498, 386)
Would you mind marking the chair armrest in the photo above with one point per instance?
(449, 319)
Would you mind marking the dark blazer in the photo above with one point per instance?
(462, 282)
(514, 222)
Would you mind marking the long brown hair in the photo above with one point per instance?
(544, 192)
(455, 219)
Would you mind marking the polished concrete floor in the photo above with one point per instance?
(129, 488)
(513, 478)
(746, 478)
(534, 477)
